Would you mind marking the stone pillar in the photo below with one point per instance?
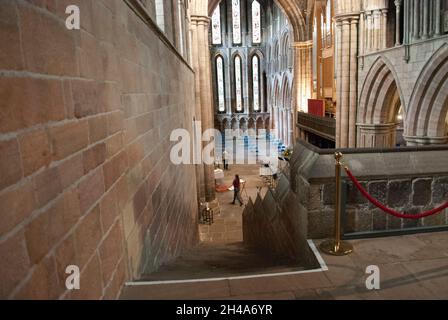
(345, 80)
(369, 31)
(204, 101)
(416, 33)
(377, 135)
(195, 62)
(397, 22)
(378, 18)
(425, 20)
(338, 64)
(383, 32)
(437, 19)
(347, 48)
(291, 125)
(302, 74)
(362, 33)
(353, 83)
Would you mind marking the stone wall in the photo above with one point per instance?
(271, 225)
(406, 72)
(409, 194)
(408, 180)
(85, 119)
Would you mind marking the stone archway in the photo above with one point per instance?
(379, 105)
(428, 107)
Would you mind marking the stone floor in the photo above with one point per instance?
(211, 260)
(228, 225)
(411, 267)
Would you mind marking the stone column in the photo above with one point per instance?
(338, 64)
(425, 20)
(204, 101)
(347, 48)
(383, 44)
(345, 80)
(377, 18)
(290, 129)
(302, 74)
(198, 131)
(369, 31)
(377, 135)
(353, 82)
(397, 22)
(416, 33)
(437, 12)
(362, 33)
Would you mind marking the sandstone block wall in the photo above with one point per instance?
(85, 119)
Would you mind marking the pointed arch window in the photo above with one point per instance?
(216, 26)
(256, 82)
(256, 22)
(236, 21)
(220, 84)
(238, 85)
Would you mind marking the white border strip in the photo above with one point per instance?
(323, 268)
(323, 265)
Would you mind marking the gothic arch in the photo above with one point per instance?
(379, 105)
(428, 106)
(285, 44)
(379, 94)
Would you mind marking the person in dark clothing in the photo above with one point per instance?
(237, 190)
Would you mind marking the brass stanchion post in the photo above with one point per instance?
(335, 246)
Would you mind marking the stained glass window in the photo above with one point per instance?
(216, 26)
(220, 80)
(238, 85)
(256, 82)
(256, 22)
(236, 19)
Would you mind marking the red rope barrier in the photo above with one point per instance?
(388, 210)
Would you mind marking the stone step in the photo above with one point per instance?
(211, 260)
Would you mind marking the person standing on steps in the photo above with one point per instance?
(225, 160)
(237, 190)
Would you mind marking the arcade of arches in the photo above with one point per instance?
(86, 117)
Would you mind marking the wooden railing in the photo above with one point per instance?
(322, 126)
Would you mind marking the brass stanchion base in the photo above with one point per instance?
(330, 247)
